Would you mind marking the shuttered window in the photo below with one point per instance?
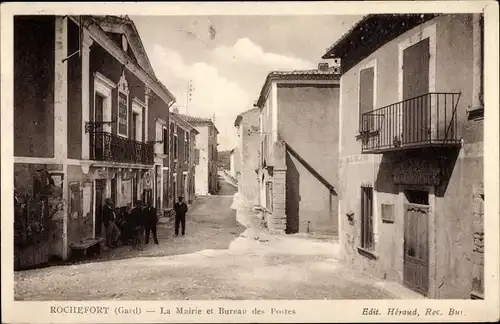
(366, 93)
(367, 218)
(165, 141)
(196, 156)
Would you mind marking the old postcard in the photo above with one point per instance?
(250, 162)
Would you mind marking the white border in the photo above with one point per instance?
(307, 310)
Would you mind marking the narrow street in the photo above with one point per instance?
(218, 259)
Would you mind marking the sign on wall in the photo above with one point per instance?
(415, 171)
(122, 113)
(123, 94)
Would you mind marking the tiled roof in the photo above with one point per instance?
(240, 116)
(304, 73)
(194, 120)
(369, 34)
(177, 117)
(332, 73)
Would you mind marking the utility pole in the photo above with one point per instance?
(189, 93)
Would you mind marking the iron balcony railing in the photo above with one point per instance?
(111, 147)
(426, 120)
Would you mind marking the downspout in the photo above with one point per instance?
(477, 107)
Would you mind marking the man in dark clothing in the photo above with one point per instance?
(180, 209)
(151, 220)
(109, 220)
(137, 224)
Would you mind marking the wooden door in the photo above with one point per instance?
(416, 106)
(100, 192)
(416, 248)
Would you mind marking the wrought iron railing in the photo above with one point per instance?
(111, 147)
(429, 119)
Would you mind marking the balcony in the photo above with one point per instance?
(429, 120)
(110, 147)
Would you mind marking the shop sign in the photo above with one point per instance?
(414, 171)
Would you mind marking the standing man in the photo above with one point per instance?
(137, 224)
(151, 220)
(181, 209)
(109, 220)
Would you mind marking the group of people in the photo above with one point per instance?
(136, 225)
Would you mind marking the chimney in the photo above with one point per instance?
(175, 110)
(323, 66)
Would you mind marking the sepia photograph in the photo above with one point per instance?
(166, 166)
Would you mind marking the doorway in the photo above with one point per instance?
(100, 192)
(416, 241)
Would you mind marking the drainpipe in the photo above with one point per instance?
(477, 69)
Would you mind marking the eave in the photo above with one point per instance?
(371, 33)
(100, 37)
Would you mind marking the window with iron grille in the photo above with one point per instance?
(367, 218)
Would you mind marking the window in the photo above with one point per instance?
(176, 140)
(387, 211)
(138, 114)
(366, 97)
(123, 106)
(367, 218)
(186, 148)
(135, 131)
(196, 156)
(420, 197)
(165, 141)
(103, 88)
(122, 114)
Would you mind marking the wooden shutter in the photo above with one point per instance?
(366, 82)
(416, 69)
(165, 141)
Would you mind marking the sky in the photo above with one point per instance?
(228, 71)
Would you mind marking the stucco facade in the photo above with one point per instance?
(183, 164)
(94, 103)
(235, 162)
(247, 124)
(296, 179)
(437, 184)
(206, 154)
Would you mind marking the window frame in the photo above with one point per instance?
(370, 64)
(123, 89)
(104, 88)
(367, 218)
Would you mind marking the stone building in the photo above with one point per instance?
(297, 170)
(184, 159)
(206, 150)
(234, 163)
(411, 151)
(85, 105)
(247, 124)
